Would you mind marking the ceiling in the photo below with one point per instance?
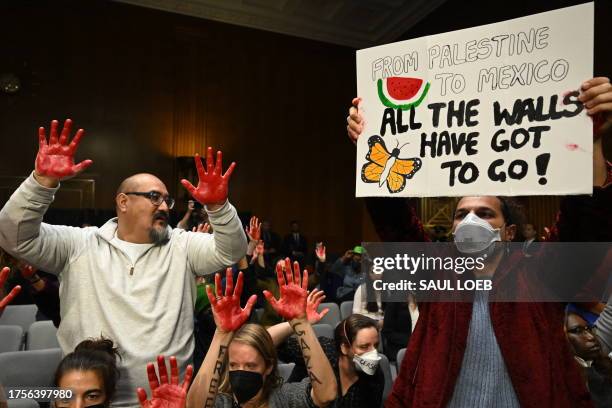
(353, 23)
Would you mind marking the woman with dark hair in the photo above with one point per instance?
(360, 378)
(91, 372)
(240, 368)
(352, 353)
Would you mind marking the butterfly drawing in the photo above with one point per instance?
(383, 166)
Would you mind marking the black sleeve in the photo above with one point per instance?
(48, 300)
(395, 219)
(370, 388)
(397, 327)
(290, 352)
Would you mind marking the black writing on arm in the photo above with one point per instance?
(216, 378)
(306, 352)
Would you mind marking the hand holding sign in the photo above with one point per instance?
(55, 159)
(293, 292)
(212, 185)
(14, 292)
(165, 393)
(228, 314)
(355, 121)
(480, 109)
(596, 94)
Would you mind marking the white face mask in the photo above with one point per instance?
(367, 362)
(474, 235)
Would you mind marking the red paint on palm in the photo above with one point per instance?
(14, 292)
(228, 314)
(254, 229)
(56, 158)
(260, 248)
(320, 252)
(165, 393)
(293, 291)
(212, 185)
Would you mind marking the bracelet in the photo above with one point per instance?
(35, 280)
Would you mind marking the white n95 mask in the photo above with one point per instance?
(367, 362)
(474, 235)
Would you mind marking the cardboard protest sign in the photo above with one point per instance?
(486, 110)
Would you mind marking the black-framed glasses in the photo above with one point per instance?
(581, 330)
(156, 197)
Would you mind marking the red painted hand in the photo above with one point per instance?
(320, 252)
(254, 229)
(212, 186)
(56, 158)
(8, 298)
(226, 309)
(164, 393)
(259, 250)
(312, 305)
(292, 302)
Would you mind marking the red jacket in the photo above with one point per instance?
(530, 335)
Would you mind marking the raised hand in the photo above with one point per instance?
(596, 94)
(165, 393)
(8, 298)
(226, 309)
(258, 250)
(204, 227)
(293, 292)
(320, 252)
(55, 159)
(312, 305)
(212, 186)
(355, 122)
(254, 229)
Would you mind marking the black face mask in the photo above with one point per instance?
(245, 384)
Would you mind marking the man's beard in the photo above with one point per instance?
(159, 236)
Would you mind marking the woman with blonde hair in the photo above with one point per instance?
(241, 366)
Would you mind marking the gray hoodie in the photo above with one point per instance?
(145, 307)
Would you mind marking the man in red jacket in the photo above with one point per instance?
(481, 354)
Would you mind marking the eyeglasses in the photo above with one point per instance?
(156, 197)
(581, 330)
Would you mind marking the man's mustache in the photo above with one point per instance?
(161, 215)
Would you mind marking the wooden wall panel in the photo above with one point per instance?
(150, 86)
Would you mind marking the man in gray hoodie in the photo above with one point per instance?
(133, 279)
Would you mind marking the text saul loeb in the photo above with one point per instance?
(434, 284)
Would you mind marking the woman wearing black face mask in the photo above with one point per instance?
(240, 368)
(91, 372)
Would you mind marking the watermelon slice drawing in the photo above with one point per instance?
(402, 93)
